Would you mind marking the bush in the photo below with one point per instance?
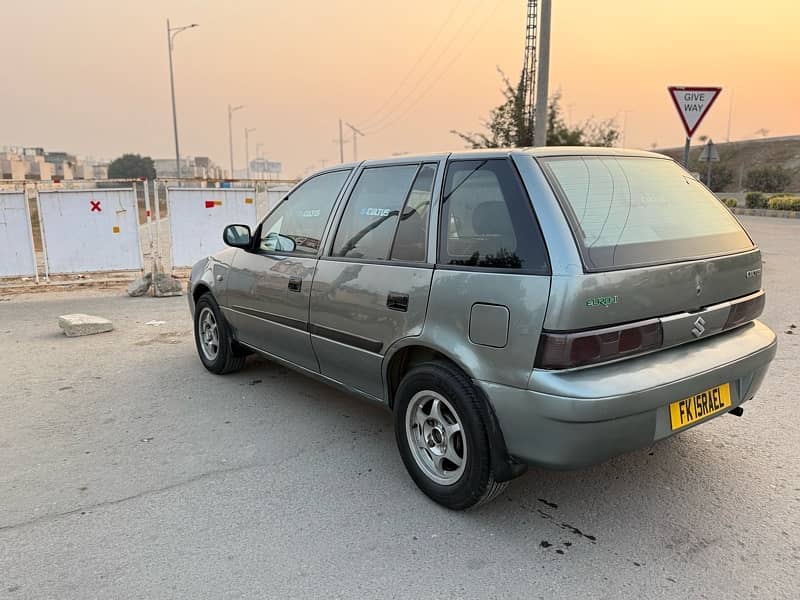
(784, 203)
(721, 177)
(755, 200)
(730, 202)
(768, 179)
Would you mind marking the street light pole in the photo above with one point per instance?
(247, 148)
(231, 110)
(171, 33)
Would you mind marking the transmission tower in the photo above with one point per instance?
(529, 69)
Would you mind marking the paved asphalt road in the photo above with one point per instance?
(128, 471)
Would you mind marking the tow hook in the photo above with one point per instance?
(738, 411)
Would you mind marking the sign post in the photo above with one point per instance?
(692, 104)
(709, 155)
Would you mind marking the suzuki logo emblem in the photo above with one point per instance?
(699, 327)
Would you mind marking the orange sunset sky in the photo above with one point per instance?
(91, 76)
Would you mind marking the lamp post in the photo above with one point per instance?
(171, 33)
(231, 110)
(247, 131)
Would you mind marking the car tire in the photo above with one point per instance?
(441, 429)
(216, 347)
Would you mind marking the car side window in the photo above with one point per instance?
(297, 223)
(368, 224)
(487, 219)
(412, 230)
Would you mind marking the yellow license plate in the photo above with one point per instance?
(696, 408)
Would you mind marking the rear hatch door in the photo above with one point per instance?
(654, 243)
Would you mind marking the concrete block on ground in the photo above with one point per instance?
(140, 286)
(79, 324)
(166, 285)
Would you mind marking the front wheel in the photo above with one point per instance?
(441, 430)
(212, 336)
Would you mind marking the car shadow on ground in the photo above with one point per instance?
(623, 498)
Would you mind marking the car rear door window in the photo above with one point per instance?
(412, 230)
(369, 221)
(302, 215)
(487, 219)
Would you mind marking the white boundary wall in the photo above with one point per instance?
(90, 230)
(270, 199)
(197, 217)
(17, 258)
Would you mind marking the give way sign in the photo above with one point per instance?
(693, 104)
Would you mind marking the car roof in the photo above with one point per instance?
(545, 151)
(503, 152)
(484, 153)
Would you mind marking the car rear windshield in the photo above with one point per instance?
(634, 211)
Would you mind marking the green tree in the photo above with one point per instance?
(132, 166)
(506, 126)
(769, 179)
(506, 123)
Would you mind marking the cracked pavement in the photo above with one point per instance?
(128, 471)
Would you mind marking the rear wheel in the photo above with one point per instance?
(440, 426)
(215, 345)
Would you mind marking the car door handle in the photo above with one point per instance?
(295, 284)
(395, 301)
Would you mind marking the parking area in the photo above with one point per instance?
(128, 470)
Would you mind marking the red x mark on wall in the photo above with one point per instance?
(95, 206)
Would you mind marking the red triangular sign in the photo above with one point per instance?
(693, 104)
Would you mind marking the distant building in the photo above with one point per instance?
(197, 167)
(11, 166)
(36, 164)
(166, 167)
(39, 169)
(100, 170)
(59, 157)
(261, 168)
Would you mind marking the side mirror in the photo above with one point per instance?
(276, 242)
(238, 236)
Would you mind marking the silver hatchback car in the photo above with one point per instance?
(553, 306)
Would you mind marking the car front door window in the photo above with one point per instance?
(296, 225)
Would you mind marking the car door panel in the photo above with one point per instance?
(265, 313)
(269, 284)
(492, 281)
(371, 289)
(352, 323)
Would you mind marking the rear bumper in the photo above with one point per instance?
(570, 419)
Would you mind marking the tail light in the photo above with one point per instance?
(744, 312)
(575, 349)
